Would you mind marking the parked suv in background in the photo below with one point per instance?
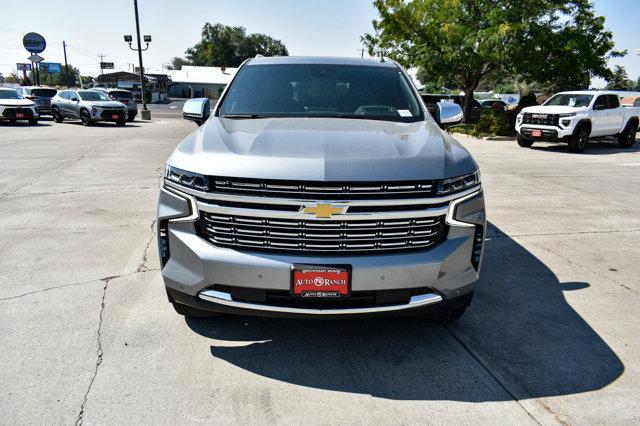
(124, 96)
(89, 106)
(41, 96)
(575, 117)
(14, 107)
(320, 187)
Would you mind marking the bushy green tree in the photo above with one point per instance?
(560, 43)
(619, 80)
(222, 45)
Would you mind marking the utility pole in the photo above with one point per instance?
(66, 66)
(361, 52)
(101, 56)
(145, 114)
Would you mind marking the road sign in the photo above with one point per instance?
(106, 65)
(51, 67)
(34, 43)
(35, 58)
(23, 67)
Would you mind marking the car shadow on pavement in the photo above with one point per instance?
(23, 124)
(595, 147)
(520, 339)
(103, 124)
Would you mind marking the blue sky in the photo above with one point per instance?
(307, 27)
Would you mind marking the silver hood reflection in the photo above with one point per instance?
(322, 149)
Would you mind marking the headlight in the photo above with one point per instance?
(94, 110)
(567, 114)
(183, 177)
(519, 118)
(459, 183)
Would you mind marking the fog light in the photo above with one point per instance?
(566, 123)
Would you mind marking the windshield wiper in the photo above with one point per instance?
(245, 116)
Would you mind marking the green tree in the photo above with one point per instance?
(177, 63)
(619, 80)
(559, 43)
(12, 78)
(57, 79)
(222, 45)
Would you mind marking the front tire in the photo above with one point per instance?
(628, 137)
(57, 117)
(190, 312)
(579, 140)
(85, 118)
(121, 122)
(33, 121)
(524, 142)
(131, 118)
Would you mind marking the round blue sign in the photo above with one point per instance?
(34, 43)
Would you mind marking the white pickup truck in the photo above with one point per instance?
(576, 117)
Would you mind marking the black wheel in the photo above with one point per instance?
(85, 117)
(131, 118)
(33, 121)
(579, 140)
(57, 117)
(524, 142)
(188, 311)
(121, 122)
(628, 137)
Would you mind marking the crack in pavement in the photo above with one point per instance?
(143, 267)
(98, 352)
(76, 283)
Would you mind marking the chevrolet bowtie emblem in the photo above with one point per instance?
(324, 210)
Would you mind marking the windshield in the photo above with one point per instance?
(570, 99)
(318, 90)
(90, 95)
(9, 94)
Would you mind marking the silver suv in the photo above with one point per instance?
(87, 105)
(320, 187)
(124, 96)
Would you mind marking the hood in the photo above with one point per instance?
(16, 102)
(106, 104)
(553, 109)
(322, 149)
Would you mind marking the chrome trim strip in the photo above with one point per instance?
(223, 298)
(298, 201)
(212, 208)
(450, 218)
(193, 205)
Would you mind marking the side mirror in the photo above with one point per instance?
(74, 99)
(448, 114)
(197, 110)
(599, 107)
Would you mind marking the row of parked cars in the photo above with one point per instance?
(87, 105)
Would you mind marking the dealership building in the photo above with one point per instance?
(200, 82)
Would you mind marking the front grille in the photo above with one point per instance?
(309, 190)
(321, 235)
(542, 119)
(11, 112)
(107, 113)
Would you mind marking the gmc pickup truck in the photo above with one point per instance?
(576, 117)
(320, 187)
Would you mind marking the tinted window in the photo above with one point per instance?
(49, 93)
(613, 101)
(636, 103)
(601, 100)
(121, 94)
(318, 90)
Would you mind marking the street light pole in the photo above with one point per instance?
(145, 113)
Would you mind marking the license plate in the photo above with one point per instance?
(114, 116)
(536, 133)
(19, 115)
(320, 281)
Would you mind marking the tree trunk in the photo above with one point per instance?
(468, 103)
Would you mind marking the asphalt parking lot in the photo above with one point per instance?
(88, 336)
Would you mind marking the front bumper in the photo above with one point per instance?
(549, 133)
(199, 274)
